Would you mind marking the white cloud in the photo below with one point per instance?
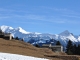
(4, 17)
(57, 9)
(42, 18)
(72, 16)
(3, 9)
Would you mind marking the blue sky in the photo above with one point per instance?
(44, 16)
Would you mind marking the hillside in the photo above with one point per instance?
(20, 47)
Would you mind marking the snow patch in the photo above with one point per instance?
(8, 56)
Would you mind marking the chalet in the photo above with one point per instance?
(55, 48)
(7, 36)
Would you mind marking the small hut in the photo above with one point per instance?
(55, 48)
(7, 36)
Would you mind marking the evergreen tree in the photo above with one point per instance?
(74, 49)
(58, 43)
(69, 48)
(1, 32)
(17, 38)
(78, 50)
(22, 39)
(31, 41)
(37, 45)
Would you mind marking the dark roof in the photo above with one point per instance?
(48, 45)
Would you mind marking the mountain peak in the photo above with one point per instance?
(65, 33)
(21, 33)
(4, 28)
(22, 30)
(19, 28)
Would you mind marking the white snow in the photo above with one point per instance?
(5, 28)
(22, 30)
(65, 33)
(21, 33)
(8, 56)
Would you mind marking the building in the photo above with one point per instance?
(55, 48)
(7, 36)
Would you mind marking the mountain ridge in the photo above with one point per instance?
(41, 37)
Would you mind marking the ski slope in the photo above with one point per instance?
(8, 56)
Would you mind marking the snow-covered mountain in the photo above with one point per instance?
(34, 37)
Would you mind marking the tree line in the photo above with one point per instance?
(72, 49)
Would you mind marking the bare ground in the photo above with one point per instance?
(20, 47)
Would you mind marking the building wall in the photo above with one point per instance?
(55, 48)
(9, 37)
(6, 36)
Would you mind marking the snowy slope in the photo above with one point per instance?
(41, 37)
(8, 56)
